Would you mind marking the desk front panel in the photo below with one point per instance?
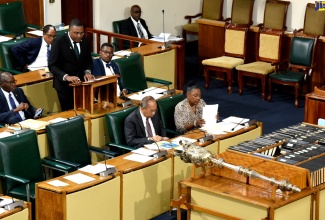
(21, 215)
(146, 192)
(161, 66)
(322, 204)
(100, 202)
(226, 205)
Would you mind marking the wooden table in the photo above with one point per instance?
(315, 105)
(97, 199)
(19, 213)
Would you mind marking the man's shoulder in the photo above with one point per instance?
(132, 116)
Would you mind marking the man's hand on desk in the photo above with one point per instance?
(158, 138)
(73, 79)
(89, 77)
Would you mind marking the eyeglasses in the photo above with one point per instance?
(107, 52)
(79, 33)
(50, 36)
(11, 82)
(137, 12)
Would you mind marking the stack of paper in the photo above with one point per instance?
(95, 169)
(34, 124)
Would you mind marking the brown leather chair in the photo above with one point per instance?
(234, 54)
(269, 54)
(211, 9)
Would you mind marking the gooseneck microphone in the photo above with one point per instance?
(238, 124)
(163, 14)
(160, 153)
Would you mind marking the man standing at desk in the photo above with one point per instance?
(135, 26)
(34, 53)
(143, 126)
(14, 105)
(70, 62)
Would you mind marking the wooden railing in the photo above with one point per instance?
(97, 37)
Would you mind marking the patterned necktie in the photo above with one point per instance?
(140, 31)
(13, 106)
(48, 52)
(76, 49)
(148, 128)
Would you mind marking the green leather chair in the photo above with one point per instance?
(132, 73)
(116, 42)
(12, 19)
(115, 127)
(68, 144)
(7, 60)
(21, 165)
(166, 107)
(301, 63)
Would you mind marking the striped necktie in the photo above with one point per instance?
(140, 31)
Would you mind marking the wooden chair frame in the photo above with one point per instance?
(262, 77)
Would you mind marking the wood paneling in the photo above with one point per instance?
(81, 9)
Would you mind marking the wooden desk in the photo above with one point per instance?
(97, 199)
(314, 106)
(19, 213)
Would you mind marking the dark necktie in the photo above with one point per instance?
(48, 52)
(13, 106)
(76, 49)
(140, 31)
(148, 128)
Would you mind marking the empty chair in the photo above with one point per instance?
(115, 127)
(117, 43)
(68, 144)
(166, 108)
(132, 73)
(275, 14)
(241, 12)
(211, 9)
(301, 63)
(269, 53)
(234, 54)
(314, 22)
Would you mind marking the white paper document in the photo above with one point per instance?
(210, 114)
(122, 53)
(138, 158)
(4, 38)
(58, 119)
(155, 92)
(94, 169)
(144, 151)
(57, 183)
(5, 134)
(79, 178)
(229, 127)
(236, 120)
(36, 32)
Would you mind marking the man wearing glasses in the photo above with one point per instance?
(34, 53)
(14, 105)
(105, 66)
(70, 62)
(135, 26)
(144, 126)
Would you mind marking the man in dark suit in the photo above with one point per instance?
(105, 66)
(135, 26)
(34, 53)
(70, 62)
(20, 109)
(143, 126)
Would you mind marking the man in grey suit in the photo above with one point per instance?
(144, 126)
(70, 62)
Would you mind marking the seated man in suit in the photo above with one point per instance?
(105, 66)
(34, 53)
(143, 126)
(14, 105)
(135, 26)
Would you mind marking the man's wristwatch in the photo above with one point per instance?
(88, 71)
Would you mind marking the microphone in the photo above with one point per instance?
(238, 124)
(206, 137)
(111, 169)
(149, 90)
(247, 124)
(14, 204)
(22, 130)
(163, 14)
(160, 153)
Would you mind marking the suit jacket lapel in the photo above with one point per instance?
(71, 47)
(3, 101)
(140, 122)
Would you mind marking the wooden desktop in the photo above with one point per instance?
(18, 213)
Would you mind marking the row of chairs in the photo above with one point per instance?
(20, 162)
(275, 16)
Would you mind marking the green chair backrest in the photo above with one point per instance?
(68, 141)
(132, 72)
(7, 59)
(20, 157)
(212, 9)
(115, 124)
(116, 29)
(166, 107)
(12, 18)
(314, 21)
(301, 51)
(242, 11)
